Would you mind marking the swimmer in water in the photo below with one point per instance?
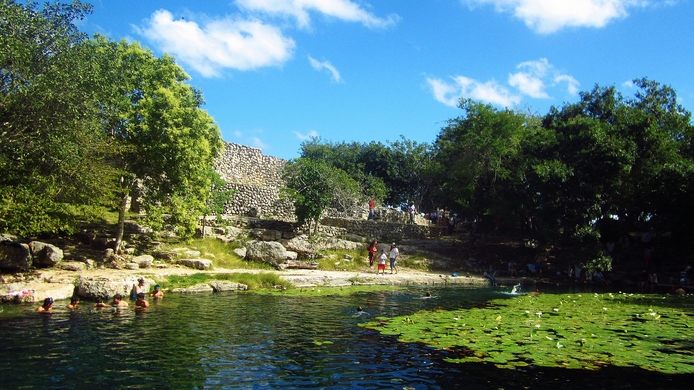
(141, 302)
(157, 293)
(100, 303)
(47, 306)
(118, 301)
(74, 302)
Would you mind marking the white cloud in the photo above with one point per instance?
(532, 79)
(218, 44)
(300, 10)
(628, 84)
(450, 93)
(529, 81)
(571, 83)
(306, 136)
(548, 16)
(326, 66)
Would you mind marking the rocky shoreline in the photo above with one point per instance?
(90, 284)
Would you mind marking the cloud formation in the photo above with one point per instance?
(531, 79)
(325, 66)
(450, 93)
(300, 10)
(219, 44)
(549, 16)
(306, 136)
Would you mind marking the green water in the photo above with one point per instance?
(252, 341)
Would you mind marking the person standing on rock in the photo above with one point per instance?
(373, 250)
(394, 254)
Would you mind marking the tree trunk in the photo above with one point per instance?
(204, 222)
(121, 220)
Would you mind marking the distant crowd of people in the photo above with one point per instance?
(137, 294)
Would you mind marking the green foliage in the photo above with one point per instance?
(582, 331)
(314, 185)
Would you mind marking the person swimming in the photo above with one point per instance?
(47, 306)
(74, 302)
(157, 293)
(118, 301)
(141, 302)
(100, 303)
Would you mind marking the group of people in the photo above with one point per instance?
(137, 294)
(392, 255)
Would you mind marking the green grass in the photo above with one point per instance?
(220, 253)
(334, 260)
(327, 291)
(577, 331)
(254, 281)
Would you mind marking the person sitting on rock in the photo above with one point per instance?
(137, 288)
(47, 306)
(74, 302)
(141, 302)
(118, 301)
(157, 293)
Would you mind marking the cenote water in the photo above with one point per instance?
(260, 341)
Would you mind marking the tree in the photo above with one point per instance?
(165, 139)
(53, 153)
(218, 197)
(314, 185)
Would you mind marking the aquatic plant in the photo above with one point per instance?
(578, 331)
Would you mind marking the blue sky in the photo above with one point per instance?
(276, 72)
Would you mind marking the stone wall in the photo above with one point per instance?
(384, 231)
(256, 181)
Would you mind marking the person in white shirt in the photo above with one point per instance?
(394, 254)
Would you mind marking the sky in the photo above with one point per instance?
(275, 73)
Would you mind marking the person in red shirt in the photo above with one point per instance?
(373, 249)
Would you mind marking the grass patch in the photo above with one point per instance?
(221, 253)
(576, 331)
(254, 281)
(337, 260)
(328, 291)
(417, 261)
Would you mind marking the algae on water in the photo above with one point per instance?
(582, 331)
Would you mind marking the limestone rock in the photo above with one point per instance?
(296, 264)
(301, 245)
(291, 255)
(222, 286)
(266, 234)
(271, 252)
(201, 264)
(144, 261)
(164, 255)
(240, 252)
(14, 256)
(45, 255)
(74, 266)
(105, 288)
(132, 266)
(195, 289)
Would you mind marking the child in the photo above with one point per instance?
(157, 293)
(118, 301)
(382, 262)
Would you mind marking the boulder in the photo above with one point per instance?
(74, 266)
(233, 232)
(290, 255)
(195, 289)
(105, 288)
(144, 261)
(270, 252)
(45, 255)
(266, 234)
(301, 245)
(222, 286)
(240, 252)
(164, 255)
(297, 264)
(202, 264)
(14, 256)
(132, 266)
